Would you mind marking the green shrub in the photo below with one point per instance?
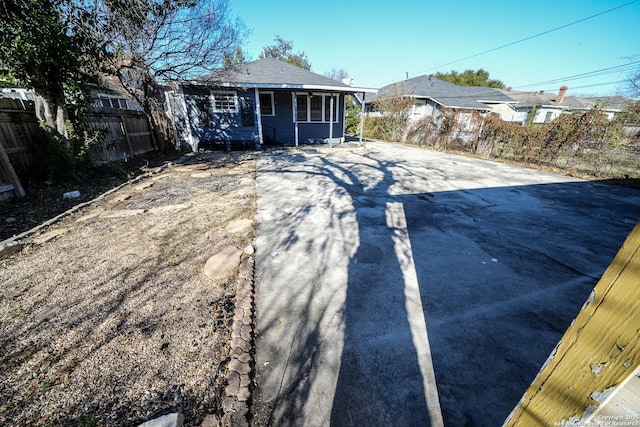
(55, 163)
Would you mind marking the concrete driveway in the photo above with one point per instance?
(398, 286)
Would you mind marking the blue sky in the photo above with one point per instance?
(378, 42)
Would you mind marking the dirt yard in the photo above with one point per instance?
(106, 316)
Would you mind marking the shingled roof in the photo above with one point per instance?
(275, 74)
(446, 94)
(571, 103)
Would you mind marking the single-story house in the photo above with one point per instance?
(266, 101)
(610, 105)
(109, 94)
(431, 96)
(548, 106)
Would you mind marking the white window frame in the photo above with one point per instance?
(419, 107)
(113, 101)
(326, 97)
(224, 107)
(273, 103)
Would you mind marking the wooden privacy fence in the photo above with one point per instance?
(18, 128)
(125, 133)
(631, 130)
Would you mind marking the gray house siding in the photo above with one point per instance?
(254, 103)
(211, 127)
(280, 128)
(198, 125)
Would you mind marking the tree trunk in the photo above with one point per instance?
(52, 111)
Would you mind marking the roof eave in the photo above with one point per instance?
(288, 86)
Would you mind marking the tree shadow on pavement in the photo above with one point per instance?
(496, 273)
(353, 340)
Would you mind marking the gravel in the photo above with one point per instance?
(113, 322)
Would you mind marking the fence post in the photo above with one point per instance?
(11, 173)
(126, 136)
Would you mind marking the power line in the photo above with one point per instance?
(595, 85)
(526, 38)
(596, 73)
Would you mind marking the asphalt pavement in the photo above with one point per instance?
(398, 286)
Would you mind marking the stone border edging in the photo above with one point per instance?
(240, 367)
(10, 240)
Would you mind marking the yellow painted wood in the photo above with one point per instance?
(600, 349)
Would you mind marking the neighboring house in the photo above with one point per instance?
(111, 94)
(610, 105)
(108, 95)
(547, 106)
(17, 93)
(264, 101)
(431, 96)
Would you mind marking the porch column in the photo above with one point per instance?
(259, 121)
(331, 120)
(361, 120)
(295, 117)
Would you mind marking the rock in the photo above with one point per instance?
(8, 248)
(71, 194)
(49, 235)
(169, 208)
(210, 421)
(240, 227)
(47, 314)
(87, 217)
(223, 263)
(246, 191)
(170, 420)
(122, 213)
(163, 176)
(121, 198)
(249, 250)
(201, 174)
(143, 186)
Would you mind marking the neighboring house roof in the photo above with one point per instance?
(17, 93)
(532, 99)
(611, 102)
(571, 103)
(446, 94)
(271, 73)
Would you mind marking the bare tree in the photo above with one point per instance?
(61, 47)
(155, 41)
(338, 74)
(633, 84)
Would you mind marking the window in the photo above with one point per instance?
(224, 102)
(316, 107)
(108, 102)
(302, 108)
(548, 117)
(327, 108)
(267, 106)
(419, 107)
